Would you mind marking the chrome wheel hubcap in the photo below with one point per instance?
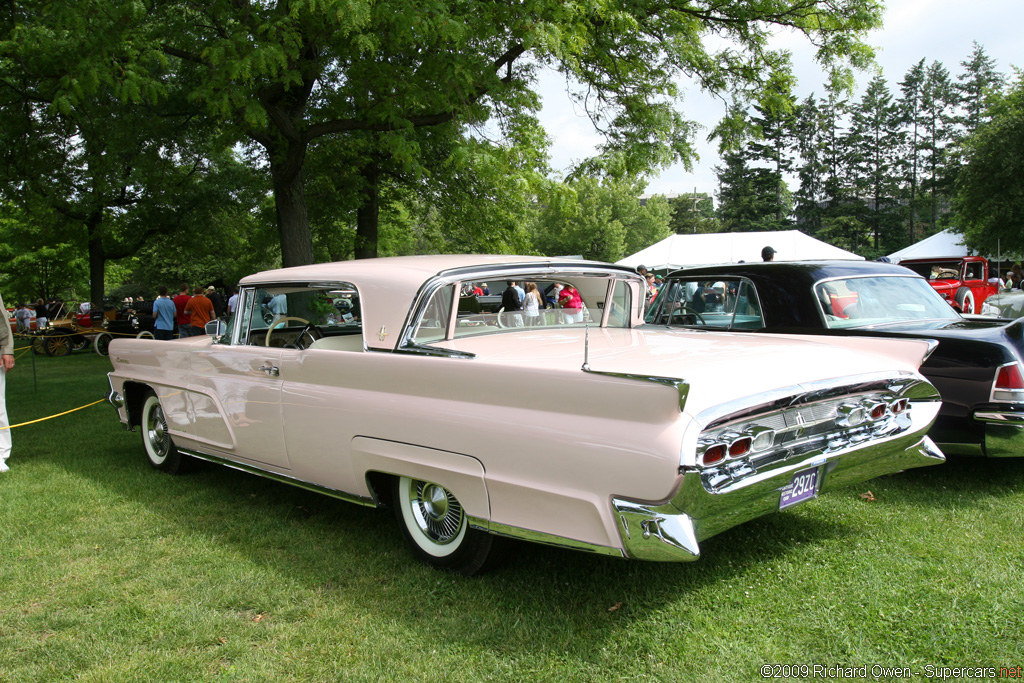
(437, 512)
(156, 431)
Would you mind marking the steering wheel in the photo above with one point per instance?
(277, 322)
(310, 332)
(686, 310)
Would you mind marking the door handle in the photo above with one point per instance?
(271, 370)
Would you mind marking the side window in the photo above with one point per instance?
(619, 315)
(277, 316)
(433, 325)
(728, 303)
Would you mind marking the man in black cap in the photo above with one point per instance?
(767, 254)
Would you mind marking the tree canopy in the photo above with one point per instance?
(282, 75)
(990, 197)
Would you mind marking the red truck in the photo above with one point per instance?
(963, 281)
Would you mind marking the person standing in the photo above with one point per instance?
(165, 313)
(572, 304)
(511, 304)
(41, 313)
(767, 254)
(232, 301)
(217, 300)
(180, 301)
(532, 304)
(22, 317)
(200, 311)
(7, 355)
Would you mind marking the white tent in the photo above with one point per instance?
(678, 251)
(945, 244)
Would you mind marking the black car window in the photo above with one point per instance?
(724, 303)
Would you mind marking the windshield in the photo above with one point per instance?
(867, 301)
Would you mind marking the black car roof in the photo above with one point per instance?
(808, 271)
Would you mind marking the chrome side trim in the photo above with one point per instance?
(282, 478)
(680, 385)
(421, 350)
(507, 531)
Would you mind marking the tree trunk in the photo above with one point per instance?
(290, 203)
(368, 215)
(97, 261)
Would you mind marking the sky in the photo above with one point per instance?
(936, 30)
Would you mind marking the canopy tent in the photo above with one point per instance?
(945, 244)
(679, 251)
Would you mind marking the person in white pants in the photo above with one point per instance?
(7, 355)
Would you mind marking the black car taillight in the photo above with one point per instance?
(1009, 384)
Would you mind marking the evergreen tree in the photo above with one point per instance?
(874, 140)
(936, 123)
(910, 108)
(692, 214)
(809, 129)
(773, 145)
(747, 195)
(975, 84)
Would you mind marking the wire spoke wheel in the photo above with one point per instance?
(58, 345)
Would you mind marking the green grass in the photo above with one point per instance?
(110, 571)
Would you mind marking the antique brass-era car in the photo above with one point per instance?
(72, 331)
(593, 432)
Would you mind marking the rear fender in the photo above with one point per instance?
(461, 474)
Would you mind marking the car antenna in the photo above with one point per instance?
(586, 349)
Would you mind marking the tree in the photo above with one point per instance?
(874, 139)
(936, 122)
(748, 196)
(990, 187)
(975, 84)
(693, 213)
(911, 105)
(284, 74)
(773, 144)
(810, 129)
(601, 220)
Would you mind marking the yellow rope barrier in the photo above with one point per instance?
(43, 419)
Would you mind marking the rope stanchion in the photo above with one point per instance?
(43, 419)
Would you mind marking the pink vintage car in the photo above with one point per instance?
(580, 428)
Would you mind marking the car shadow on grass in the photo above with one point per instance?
(334, 549)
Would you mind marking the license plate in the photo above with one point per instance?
(803, 487)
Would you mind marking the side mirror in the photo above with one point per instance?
(216, 329)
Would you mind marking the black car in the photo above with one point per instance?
(976, 366)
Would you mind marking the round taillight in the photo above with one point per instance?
(715, 454)
(740, 447)
(878, 411)
(899, 406)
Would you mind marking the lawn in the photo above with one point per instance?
(111, 571)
